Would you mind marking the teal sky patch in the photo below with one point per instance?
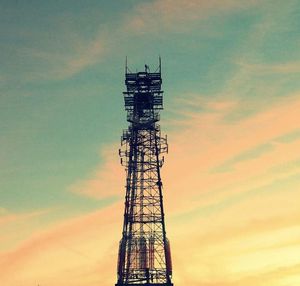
(62, 77)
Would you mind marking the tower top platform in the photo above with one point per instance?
(143, 90)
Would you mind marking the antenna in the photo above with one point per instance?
(159, 58)
(144, 251)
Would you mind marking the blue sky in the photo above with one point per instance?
(228, 66)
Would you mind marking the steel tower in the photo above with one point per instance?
(144, 250)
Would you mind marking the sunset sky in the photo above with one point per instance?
(231, 76)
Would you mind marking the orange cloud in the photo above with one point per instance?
(223, 158)
(8, 218)
(228, 218)
(77, 245)
(107, 180)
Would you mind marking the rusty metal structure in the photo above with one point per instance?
(144, 250)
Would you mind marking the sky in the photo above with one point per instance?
(231, 76)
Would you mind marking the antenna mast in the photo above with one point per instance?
(144, 250)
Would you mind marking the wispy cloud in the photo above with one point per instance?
(258, 151)
(177, 15)
(244, 156)
(241, 225)
(283, 68)
(57, 65)
(107, 180)
(248, 151)
(68, 244)
(6, 217)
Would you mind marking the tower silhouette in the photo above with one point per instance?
(144, 250)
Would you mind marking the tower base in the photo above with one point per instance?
(144, 284)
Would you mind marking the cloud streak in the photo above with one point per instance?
(66, 244)
(178, 15)
(237, 226)
(55, 65)
(107, 180)
(7, 218)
